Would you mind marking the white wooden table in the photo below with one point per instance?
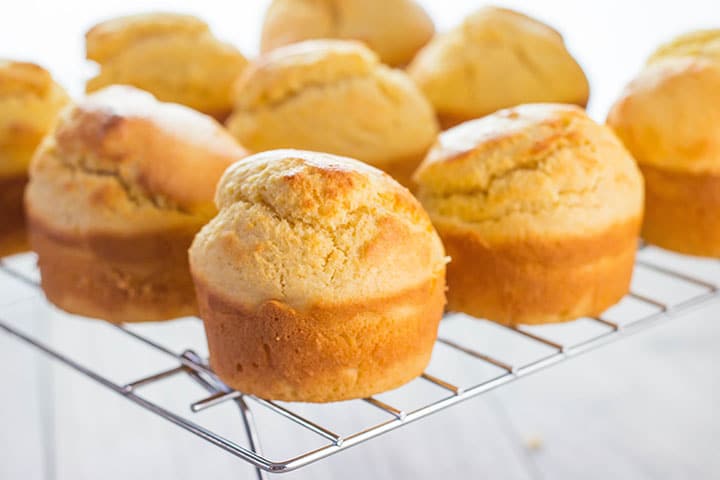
(644, 408)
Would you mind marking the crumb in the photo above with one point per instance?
(534, 443)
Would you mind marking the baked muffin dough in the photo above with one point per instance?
(29, 103)
(117, 192)
(699, 43)
(175, 57)
(334, 96)
(669, 118)
(539, 209)
(321, 279)
(496, 58)
(395, 29)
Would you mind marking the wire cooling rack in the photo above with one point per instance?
(465, 363)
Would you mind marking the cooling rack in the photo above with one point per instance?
(465, 363)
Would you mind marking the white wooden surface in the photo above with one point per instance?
(640, 409)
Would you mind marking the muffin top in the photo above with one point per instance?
(173, 56)
(29, 103)
(700, 43)
(332, 96)
(120, 160)
(669, 115)
(314, 229)
(395, 29)
(497, 58)
(109, 38)
(539, 169)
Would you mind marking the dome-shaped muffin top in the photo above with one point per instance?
(395, 29)
(313, 229)
(497, 58)
(119, 160)
(669, 115)
(539, 169)
(332, 96)
(109, 38)
(29, 102)
(175, 57)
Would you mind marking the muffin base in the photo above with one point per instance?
(540, 280)
(682, 211)
(324, 353)
(13, 235)
(130, 278)
(221, 116)
(448, 121)
(403, 169)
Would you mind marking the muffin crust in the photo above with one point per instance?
(321, 279)
(539, 208)
(334, 96)
(669, 118)
(13, 235)
(116, 194)
(395, 29)
(29, 103)
(496, 58)
(175, 57)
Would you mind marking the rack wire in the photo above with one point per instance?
(666, 285)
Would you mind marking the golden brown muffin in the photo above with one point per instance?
(497, 58)
(29, 102)
(321, 279)
(395, 29)
(174, 57)
(334, 96)
(117, 192)
(669, 118)
(539, 208)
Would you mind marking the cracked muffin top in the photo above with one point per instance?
(314, 229)
(29, 102)
(538, 169)
(497, 58)
(394, 29)
(119, 160)
(332, 96)
(175, 57)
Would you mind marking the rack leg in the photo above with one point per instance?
(245, 412)
(251, 431)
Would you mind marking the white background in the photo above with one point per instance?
(641, 409)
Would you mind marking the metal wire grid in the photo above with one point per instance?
(191, 364)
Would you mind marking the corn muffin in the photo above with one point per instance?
(321, 279)
(117, 192)
(395, 29)
(496, 58)
(175, 57)
(29, 102)
(539, 209)
(669, 118)
(334, 96)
